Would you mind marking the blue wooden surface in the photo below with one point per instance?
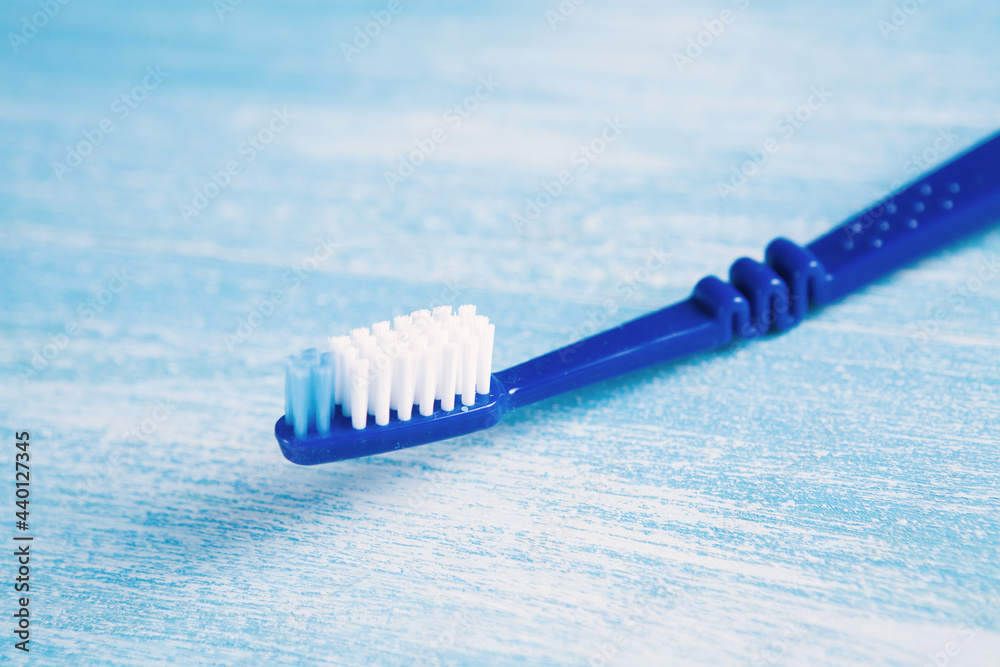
(804, 499)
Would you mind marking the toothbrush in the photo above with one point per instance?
(396, 385)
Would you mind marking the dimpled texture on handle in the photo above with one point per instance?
(942, 206)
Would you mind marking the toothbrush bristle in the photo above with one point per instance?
(396, 366)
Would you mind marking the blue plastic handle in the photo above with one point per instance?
(955, 200)
(940, 207)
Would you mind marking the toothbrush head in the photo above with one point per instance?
(343, 441)
(425, 376)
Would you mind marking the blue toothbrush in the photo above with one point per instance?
(359, 399)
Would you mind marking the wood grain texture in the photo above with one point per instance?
(828, 496)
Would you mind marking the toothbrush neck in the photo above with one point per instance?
(670, 333)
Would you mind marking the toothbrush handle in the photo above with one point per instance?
(673, 332)
(940, 207)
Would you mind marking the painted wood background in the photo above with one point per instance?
(824, 497)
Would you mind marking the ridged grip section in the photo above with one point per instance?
(762, 297)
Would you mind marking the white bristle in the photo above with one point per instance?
(449, 368)
(402, 322)
(366, 347)
(457, 339)
(359, 393)
(435, 342)
(389, 341)
(421, 325)
(466, 313)
(383, 384)
(379, 363)
(470, 355)
(485, 366)
(427, 379)
(404, 381)
(412, 362)
(358, 335)
(397, 351)
(345, 370)
(338, 346)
